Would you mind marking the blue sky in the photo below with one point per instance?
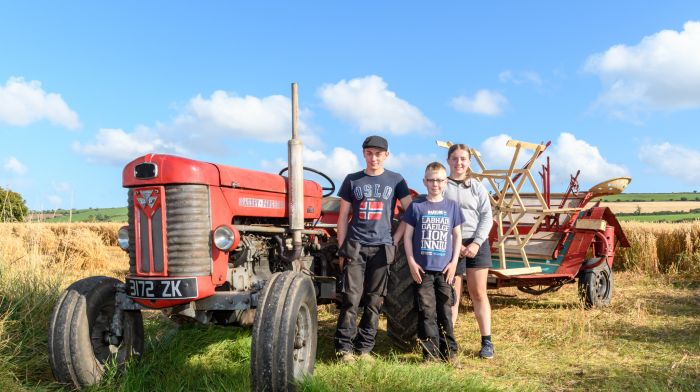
(85, 87)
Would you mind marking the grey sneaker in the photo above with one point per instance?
(486, 350)
(346, 357)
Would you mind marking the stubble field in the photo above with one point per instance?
(649, 339)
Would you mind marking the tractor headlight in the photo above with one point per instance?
(224, 238)
(123, 238)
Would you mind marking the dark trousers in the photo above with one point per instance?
(365, 279)
(434, 298)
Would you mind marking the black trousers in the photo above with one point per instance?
(435, 298)
(365, 279)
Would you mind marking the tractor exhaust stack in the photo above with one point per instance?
(296, 178)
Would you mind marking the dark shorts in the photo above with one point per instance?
(481, 260)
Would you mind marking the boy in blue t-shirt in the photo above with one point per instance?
(432, 241)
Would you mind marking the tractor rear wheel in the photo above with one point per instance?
(400, 303)
(80, 339)
(284, 333)
(596, 286)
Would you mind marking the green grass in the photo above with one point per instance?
(118, 214)
(649, 339)
(681, 196)
(679, 217)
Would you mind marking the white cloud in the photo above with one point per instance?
(673, 160)
(114, 146)
(661, 72)
(496, 155)
(568, 154)
(15, 166)
(521, 77)
(414, 161)
(488, 103)
(267, 119)
(204, 125)
(339, 163)
(368, 104)
(23, 103)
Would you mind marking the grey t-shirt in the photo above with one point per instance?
(373, 199)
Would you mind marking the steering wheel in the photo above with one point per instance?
(330, 189)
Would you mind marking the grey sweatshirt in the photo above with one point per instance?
(474, 202)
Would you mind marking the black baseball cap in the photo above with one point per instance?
(375, 142)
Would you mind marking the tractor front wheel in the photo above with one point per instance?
(81, 336)
(284, 333)
(596, 286)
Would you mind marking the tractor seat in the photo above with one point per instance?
(331, 204)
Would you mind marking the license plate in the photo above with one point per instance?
(182, 288)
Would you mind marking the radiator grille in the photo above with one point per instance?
(187, 239)
(188, 227)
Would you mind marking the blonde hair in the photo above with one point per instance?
(435, 166)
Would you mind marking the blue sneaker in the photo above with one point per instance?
(486, 350)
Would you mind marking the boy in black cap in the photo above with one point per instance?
(366, 246)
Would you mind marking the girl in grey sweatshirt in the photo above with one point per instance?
(475, 254)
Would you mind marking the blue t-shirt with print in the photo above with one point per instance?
(373, 199)
(432, 224)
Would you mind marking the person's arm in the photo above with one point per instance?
(405, 202)
(451, 268)
(342, 227)
(416, 269)
(483, 227)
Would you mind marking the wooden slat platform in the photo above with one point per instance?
(515, 271)
(541, 245)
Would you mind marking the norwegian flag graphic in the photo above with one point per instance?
(371, 210)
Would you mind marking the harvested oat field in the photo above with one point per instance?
(629, 207)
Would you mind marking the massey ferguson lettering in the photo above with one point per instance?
(260, 203)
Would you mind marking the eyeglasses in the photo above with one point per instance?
(435, 180)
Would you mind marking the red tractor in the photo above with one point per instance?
(213, 244)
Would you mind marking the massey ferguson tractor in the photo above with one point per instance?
(213, 244)
(222, 245)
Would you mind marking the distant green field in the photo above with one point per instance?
(93, 215)
(661, 217)
(683, 196)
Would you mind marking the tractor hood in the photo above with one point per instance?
(161, 169)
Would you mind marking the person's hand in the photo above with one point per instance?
(472, 250)
(449, 272)
(463, 251)
(416, 271)
(341, 262)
